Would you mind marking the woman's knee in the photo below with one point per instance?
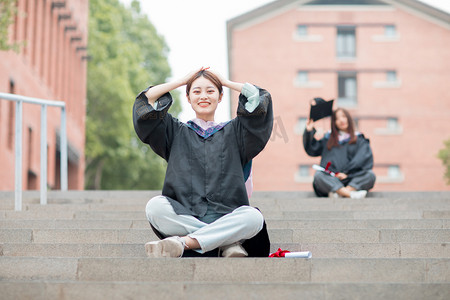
(319, 176)
(156, 207)
(253, 218)
(373, 176)
(371, 180)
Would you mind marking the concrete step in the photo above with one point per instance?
(271, 223)
(77, 236)
(319, 250)
(271, 203)
(369, 250)
(359, 235)
(283, 270)
(289, 215)
(258, 198)
(262, 203)
(357, 215)
(89, 224)
(89, 290)
(89, 245)
(268, 204)
(359, 224)
(78, 207)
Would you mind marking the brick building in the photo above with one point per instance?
(51, 64)
(387, 62)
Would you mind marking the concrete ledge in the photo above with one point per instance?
(272, 223)
(319, 250)
(93, 196)
(267, 204)
(127, 236)
(206, 291)
(223, 270)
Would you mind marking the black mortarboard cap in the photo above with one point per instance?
(321, 110)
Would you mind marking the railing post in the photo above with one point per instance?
(43, 155)
(18, 156)
(43, 189)
(63, 146)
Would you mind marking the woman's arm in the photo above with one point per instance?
(236, 86)
(310, 125)
(157, 91)
(312, 146)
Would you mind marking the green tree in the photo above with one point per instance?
(444, 155)
(127, 55)
(8, 11)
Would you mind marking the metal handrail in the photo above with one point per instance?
(43, 159)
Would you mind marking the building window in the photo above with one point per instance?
(389, 173)
(392, 81)
(394, 172)
(392, 124)
(302, 30)
(302, 34)
(393, 127)
(390, 34)
(302, 80)
(300, 126)
(346, 42)
(390, 31)
(391, 76)
(303, 170)
(347, 89)
(302, 77)
(303, 174)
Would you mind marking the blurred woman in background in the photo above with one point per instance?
(345, 154)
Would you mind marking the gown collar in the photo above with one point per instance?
(205, 129)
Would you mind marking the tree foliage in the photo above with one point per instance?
(127, 55)
(444, 155)
(8, 11)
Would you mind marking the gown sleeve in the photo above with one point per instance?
(362, 160)
(254, 123)
(154, 126)
(312, 146)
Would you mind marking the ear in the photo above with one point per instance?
(189, 99)
(220, 98)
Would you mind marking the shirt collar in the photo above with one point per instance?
(204, 124)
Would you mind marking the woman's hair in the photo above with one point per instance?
(333, 141)
(208, 75)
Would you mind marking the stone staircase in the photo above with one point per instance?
(89, 245)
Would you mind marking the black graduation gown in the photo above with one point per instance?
(351, 159)
(206, 171)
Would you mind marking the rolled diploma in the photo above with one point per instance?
(302, 254)
(319, 168)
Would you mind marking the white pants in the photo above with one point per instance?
(241, 224)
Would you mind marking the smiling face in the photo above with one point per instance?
(204, 97)
(341, 121)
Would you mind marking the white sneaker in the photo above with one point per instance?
(333, 195)
(234, 250)
(358, 194)
(169, 247)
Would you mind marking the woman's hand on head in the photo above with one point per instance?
(222, 79)
(236, 86)
(189, 75)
